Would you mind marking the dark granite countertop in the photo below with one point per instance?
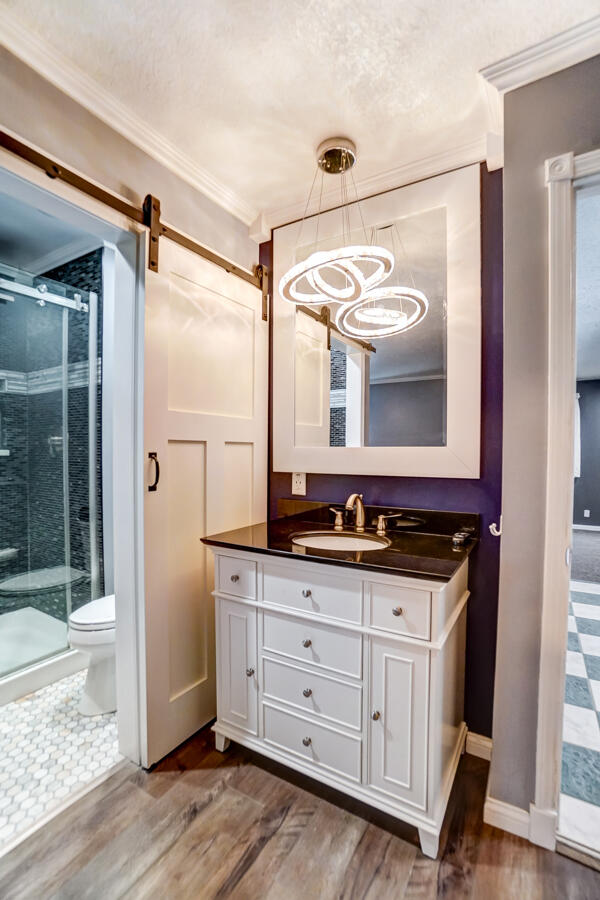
(421, 547)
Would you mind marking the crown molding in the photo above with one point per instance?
(559, 52)
(428, 166)
(78, 85)
(538, 61)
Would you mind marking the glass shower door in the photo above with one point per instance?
(48, 408)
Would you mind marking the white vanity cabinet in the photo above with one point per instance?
(237, 681)
(353, 677)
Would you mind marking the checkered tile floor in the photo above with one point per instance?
(49, 751)
(579, 817)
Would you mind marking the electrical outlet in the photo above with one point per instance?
(299, 483)
(586, 514)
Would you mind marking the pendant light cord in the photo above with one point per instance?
(306, 209)
(359, 207)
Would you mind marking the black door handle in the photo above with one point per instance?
(154, 456)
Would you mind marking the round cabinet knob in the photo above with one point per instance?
(307, 642)
(235, 578)
(397, 611)
(249, 672)
(307, 592)
(376, 715)
(307, 741)
(307, 692)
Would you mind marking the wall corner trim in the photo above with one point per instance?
(479, 745)
(259, 231)
(506, 816)
(542, 826)
(84, 90)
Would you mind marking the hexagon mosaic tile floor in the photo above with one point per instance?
(48, 750)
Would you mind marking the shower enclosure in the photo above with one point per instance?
(50, 478)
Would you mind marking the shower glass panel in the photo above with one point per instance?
(50, 499)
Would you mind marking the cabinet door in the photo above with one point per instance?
(398, 720)
(237, 667)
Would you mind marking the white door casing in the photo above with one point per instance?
(206, 370)
(562, 175)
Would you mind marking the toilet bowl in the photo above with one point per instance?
(92, 630)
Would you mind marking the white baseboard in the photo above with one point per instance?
(586, 527)
(507, 817)
(479, 745)
(537, 825)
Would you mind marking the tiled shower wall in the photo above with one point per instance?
(13, 437)
(337, 420)
(31, 478)
(84, 273)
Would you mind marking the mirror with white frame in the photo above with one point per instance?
(407, 403)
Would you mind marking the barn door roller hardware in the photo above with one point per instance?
(149, 216)
(324, 317)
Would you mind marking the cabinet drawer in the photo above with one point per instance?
(333, 596)
(319, 745)
(327, 698)
(403, 610)
(318, 644)
(237, 577)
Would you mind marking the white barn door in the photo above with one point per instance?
(205, 417)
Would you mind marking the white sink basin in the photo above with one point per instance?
(339, 540)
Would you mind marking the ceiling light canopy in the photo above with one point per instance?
(351, 276)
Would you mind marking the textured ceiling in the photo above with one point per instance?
(248, 89)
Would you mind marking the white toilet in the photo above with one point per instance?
(92, 630)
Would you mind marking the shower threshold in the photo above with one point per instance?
(33, 652)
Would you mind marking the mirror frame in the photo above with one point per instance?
(459, 193)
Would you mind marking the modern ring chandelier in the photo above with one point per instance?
(351, 276)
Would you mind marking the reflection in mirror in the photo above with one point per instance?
(381, 392)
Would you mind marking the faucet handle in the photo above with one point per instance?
(381, 520)
(339, 518)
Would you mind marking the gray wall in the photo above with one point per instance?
(39, 113)
(543, 119)
(407, 414)
(587, 487)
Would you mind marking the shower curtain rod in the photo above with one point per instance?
(149, 216)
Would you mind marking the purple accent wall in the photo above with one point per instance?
(482, 495)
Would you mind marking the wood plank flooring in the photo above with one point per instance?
(208, 825)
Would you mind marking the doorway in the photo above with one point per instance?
(62, 271)
(579, 806)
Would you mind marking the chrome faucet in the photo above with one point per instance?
(356, 500)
